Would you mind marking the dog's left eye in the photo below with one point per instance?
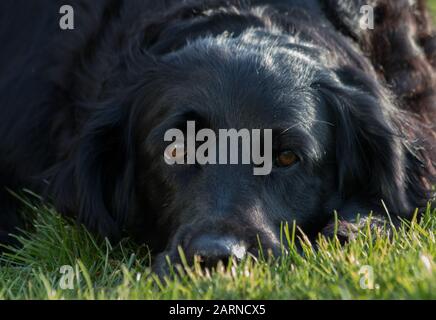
(286, 159)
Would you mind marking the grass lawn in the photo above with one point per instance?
(432, 4)
(402, 267)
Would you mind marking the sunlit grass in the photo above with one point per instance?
(432, 4)
(403, 266)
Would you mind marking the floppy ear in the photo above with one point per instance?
(95, 181)
(370, 155)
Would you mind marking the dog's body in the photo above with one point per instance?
(82, 114)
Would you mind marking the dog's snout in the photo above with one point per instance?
(211, 249)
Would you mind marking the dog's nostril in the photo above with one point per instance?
(212, 249)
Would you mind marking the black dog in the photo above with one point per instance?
(83, 113)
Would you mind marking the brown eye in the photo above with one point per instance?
(286, 159)
(175, 152)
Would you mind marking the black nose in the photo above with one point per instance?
(210, 249)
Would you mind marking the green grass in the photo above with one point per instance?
(403, 267)
(432, 4)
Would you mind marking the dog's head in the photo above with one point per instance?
(334, 146)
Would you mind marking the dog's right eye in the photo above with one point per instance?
(176, 152)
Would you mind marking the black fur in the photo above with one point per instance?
(82, 113)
